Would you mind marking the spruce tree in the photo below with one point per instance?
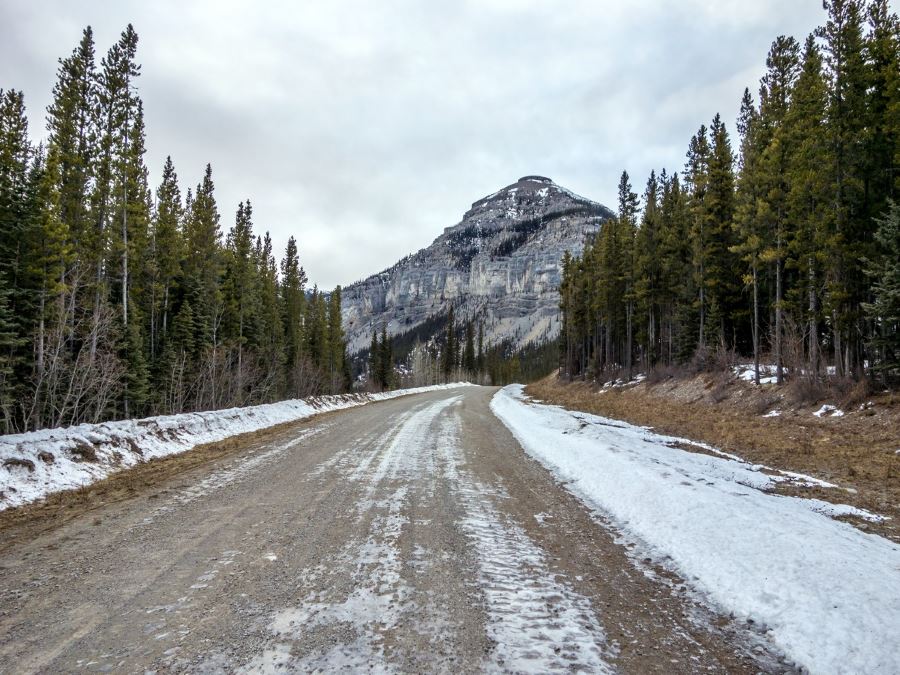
(293, 305)
(748, 228)
(469, 350)
(335, 341)
(203, 262)
(449, 361)
(808, 199)
(718, 210)
(843, 51)
(627, 225)
(374, 360)
(168, 253)
(884, 310)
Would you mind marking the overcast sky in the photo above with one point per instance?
(365, 127)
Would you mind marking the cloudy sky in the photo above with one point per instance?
(364, 128)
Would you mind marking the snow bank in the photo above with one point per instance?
(826, 593)
(38, 463)
(747, 372)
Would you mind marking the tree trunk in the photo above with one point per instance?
(755, 325)
(779, 369)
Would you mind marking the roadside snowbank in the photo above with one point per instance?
(826, 593)
(38, 463)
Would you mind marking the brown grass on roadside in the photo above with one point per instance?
(856, 451)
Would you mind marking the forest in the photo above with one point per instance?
(783, 247)
(118, 300)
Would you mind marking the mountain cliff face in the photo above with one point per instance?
(501, 262)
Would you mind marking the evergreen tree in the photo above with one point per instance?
(450, 354)
(335, 342)
(385, 360)
(374, 360)
(884, 310)
(240, 271)
(807, 201)
(696, 176)
(469, 350)
(748, 228)
(72, 138)
(843, 47)
(293, 304)
(168, 254)
(202, 267)
(627, 225)
(775, 98)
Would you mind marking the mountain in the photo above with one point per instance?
(501, 263)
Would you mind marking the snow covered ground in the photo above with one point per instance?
(38, 463)
(826, 593)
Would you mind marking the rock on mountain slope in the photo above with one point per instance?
(502, 262)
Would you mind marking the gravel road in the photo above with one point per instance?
(411, 535)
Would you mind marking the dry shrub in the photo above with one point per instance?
(17, 461)
(804, 391)
(721, 387)
(661, 373)
(765, 403)
(46, 457)
(84, 453)
(849, 392)
(706, 360)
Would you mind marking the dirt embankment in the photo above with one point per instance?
(859, 450)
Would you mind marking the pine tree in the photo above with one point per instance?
(72, 140)
(843, 48)
(385, 360)
(479, 360)
(240, 270)
(775, 98)
(202, 263)
(722, 291)
(882, 52)
(808, 198)
(168, 254)
(696, 176)
(450, 356)
(649, 272)
(469, 350)
(293, 305)
(748, 229)
(335, 342)
(374, 360)
(884, 310)
(627, 224)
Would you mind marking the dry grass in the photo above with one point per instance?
(857, 451)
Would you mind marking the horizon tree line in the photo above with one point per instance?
(117, 300)
(787, 245)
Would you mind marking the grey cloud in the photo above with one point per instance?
(365, 128)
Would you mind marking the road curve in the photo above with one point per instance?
(411, 535)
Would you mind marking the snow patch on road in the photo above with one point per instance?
(827, 593)
(378, 595)
(538, 622)
(36, 464)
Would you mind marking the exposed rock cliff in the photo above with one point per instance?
(502, 261)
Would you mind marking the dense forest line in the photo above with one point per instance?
(788, 246)
(119, 301)
(444, 348)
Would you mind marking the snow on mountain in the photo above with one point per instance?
(502, 261)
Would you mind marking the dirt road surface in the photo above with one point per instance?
(411, 535)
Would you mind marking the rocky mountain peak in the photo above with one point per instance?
(500, 263)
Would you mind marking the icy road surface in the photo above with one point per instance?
(409, 535)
